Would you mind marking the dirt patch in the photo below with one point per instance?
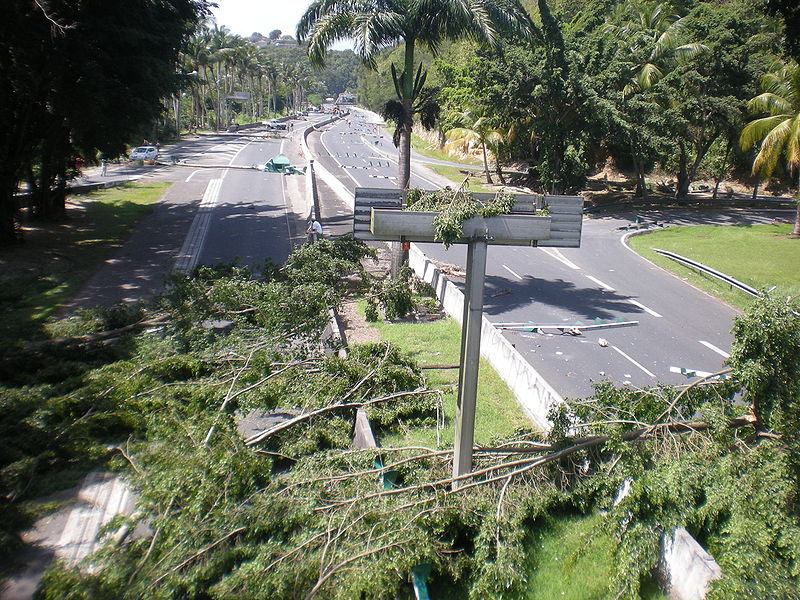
(355, 328)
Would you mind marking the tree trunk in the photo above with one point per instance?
(8, 208)
(721, 173)
(499, 170)
(486, 165)
(754, 197)
(796, 229)
(682, 187)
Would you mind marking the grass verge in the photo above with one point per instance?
(40, 275)
(456, 175)
(761, 256)
(439, 343)
(569, 560)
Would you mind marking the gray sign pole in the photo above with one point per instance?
(378, 216)
(470, 358)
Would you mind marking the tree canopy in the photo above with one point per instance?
(80, 78)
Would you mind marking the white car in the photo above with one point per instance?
(144, 153)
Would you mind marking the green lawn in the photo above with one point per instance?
(477, 182)
(439, 343)
(761, 256)
(556, 569)
(75, 249)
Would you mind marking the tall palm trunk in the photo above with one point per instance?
(796, 229)
(486, 164)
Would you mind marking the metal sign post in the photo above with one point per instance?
(379, 216)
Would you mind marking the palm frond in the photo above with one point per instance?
(757, 130)
(770, 103)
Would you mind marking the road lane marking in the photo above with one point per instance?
(554, 253)
(641, 366)
(712, 347)
(328, 150)
(600, 283)
(644, 308)
(689, 372)
(235, 156)
(512, 272)
(193, 244)
(191, 175)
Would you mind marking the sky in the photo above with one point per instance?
(245, 17)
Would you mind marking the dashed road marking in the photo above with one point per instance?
(605, 286)
(713, 348)
(689, 372)
(641, 366)
(644, 308)
(512, 272)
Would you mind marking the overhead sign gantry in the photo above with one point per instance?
(535, 220)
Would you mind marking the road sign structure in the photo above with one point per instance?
(379, 216)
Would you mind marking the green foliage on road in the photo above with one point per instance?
(32, 289)
(762, 256)
(300, 513)
(295, 510)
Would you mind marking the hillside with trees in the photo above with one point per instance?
(641, 86)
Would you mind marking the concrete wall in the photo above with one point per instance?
(686, 568)
(533, 393)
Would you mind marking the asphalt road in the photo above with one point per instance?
(680, 328)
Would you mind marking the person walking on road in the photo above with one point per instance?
(314, 231)
(103, 167)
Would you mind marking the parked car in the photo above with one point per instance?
(144, 153)
(277, 126)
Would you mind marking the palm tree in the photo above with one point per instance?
(476, 133)
(378, 24)
(778, 133)
(649, 39)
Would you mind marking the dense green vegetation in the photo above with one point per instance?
(637, 85)
(296, 512)
(273, 70)
(80, 79)
(738, 251)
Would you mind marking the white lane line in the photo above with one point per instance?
(642, 367)
(712, 347)
(328, 150)
(225, 172)
(286, 212)
(689, 372)
(189, 178)
(554, 253)
(600, 283)
(193, 244)
(512, 272)
(390, 157)
(644, 308)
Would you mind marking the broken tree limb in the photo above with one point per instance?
(94, 338)
(259, 437)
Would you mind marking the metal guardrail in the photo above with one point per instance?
(708, 270)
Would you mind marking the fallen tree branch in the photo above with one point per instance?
(198, 554)
(259, 437)
(94, 338)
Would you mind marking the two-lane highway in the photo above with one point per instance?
(679, 328)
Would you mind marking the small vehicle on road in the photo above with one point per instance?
(144, 153)
(277, 126)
